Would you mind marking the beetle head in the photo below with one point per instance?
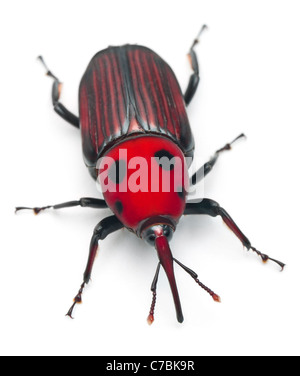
(151, 233)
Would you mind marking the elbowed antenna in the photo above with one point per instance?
(215, 297)
(166, 260)
(150, 317)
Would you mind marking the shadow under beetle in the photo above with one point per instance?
(130, 99)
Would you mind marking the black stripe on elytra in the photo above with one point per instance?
(158, 93)
(148, 90)
(133, 68)
(113, 62)
(165, 93)
(109, 101)
(171, 101)
(91, 100)
(100, 104)
(123, 68)
(149, 96)
(104, 94)
(135, 65)
(126, 76)
(144, 89)
(120, 87)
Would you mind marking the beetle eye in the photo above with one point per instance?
(150, 234)
(150, 239)
(168, 233)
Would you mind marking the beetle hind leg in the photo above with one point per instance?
(194, 78)
(208, 166)
(59, 108)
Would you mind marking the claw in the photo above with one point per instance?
(265, 258)
(36, 210)
(77, 299)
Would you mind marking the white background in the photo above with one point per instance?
(250, 82)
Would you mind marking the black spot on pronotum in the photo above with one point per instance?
(181, 192)
(119, 207)
(117, 171)
(165, 159)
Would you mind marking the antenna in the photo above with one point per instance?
(150, 318)
(215, 297)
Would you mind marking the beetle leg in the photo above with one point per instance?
(194, 78)
(105, 227)
(83, 202)
(208, 166)
(212, 208)
(59, 108)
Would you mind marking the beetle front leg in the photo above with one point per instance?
(59, 108)
(208, 166)
(194, 78)
(212, 208)
(87, 202)
(105, 227)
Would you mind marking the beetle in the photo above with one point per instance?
(131, 108)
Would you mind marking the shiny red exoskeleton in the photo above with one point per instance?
(137, 142)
